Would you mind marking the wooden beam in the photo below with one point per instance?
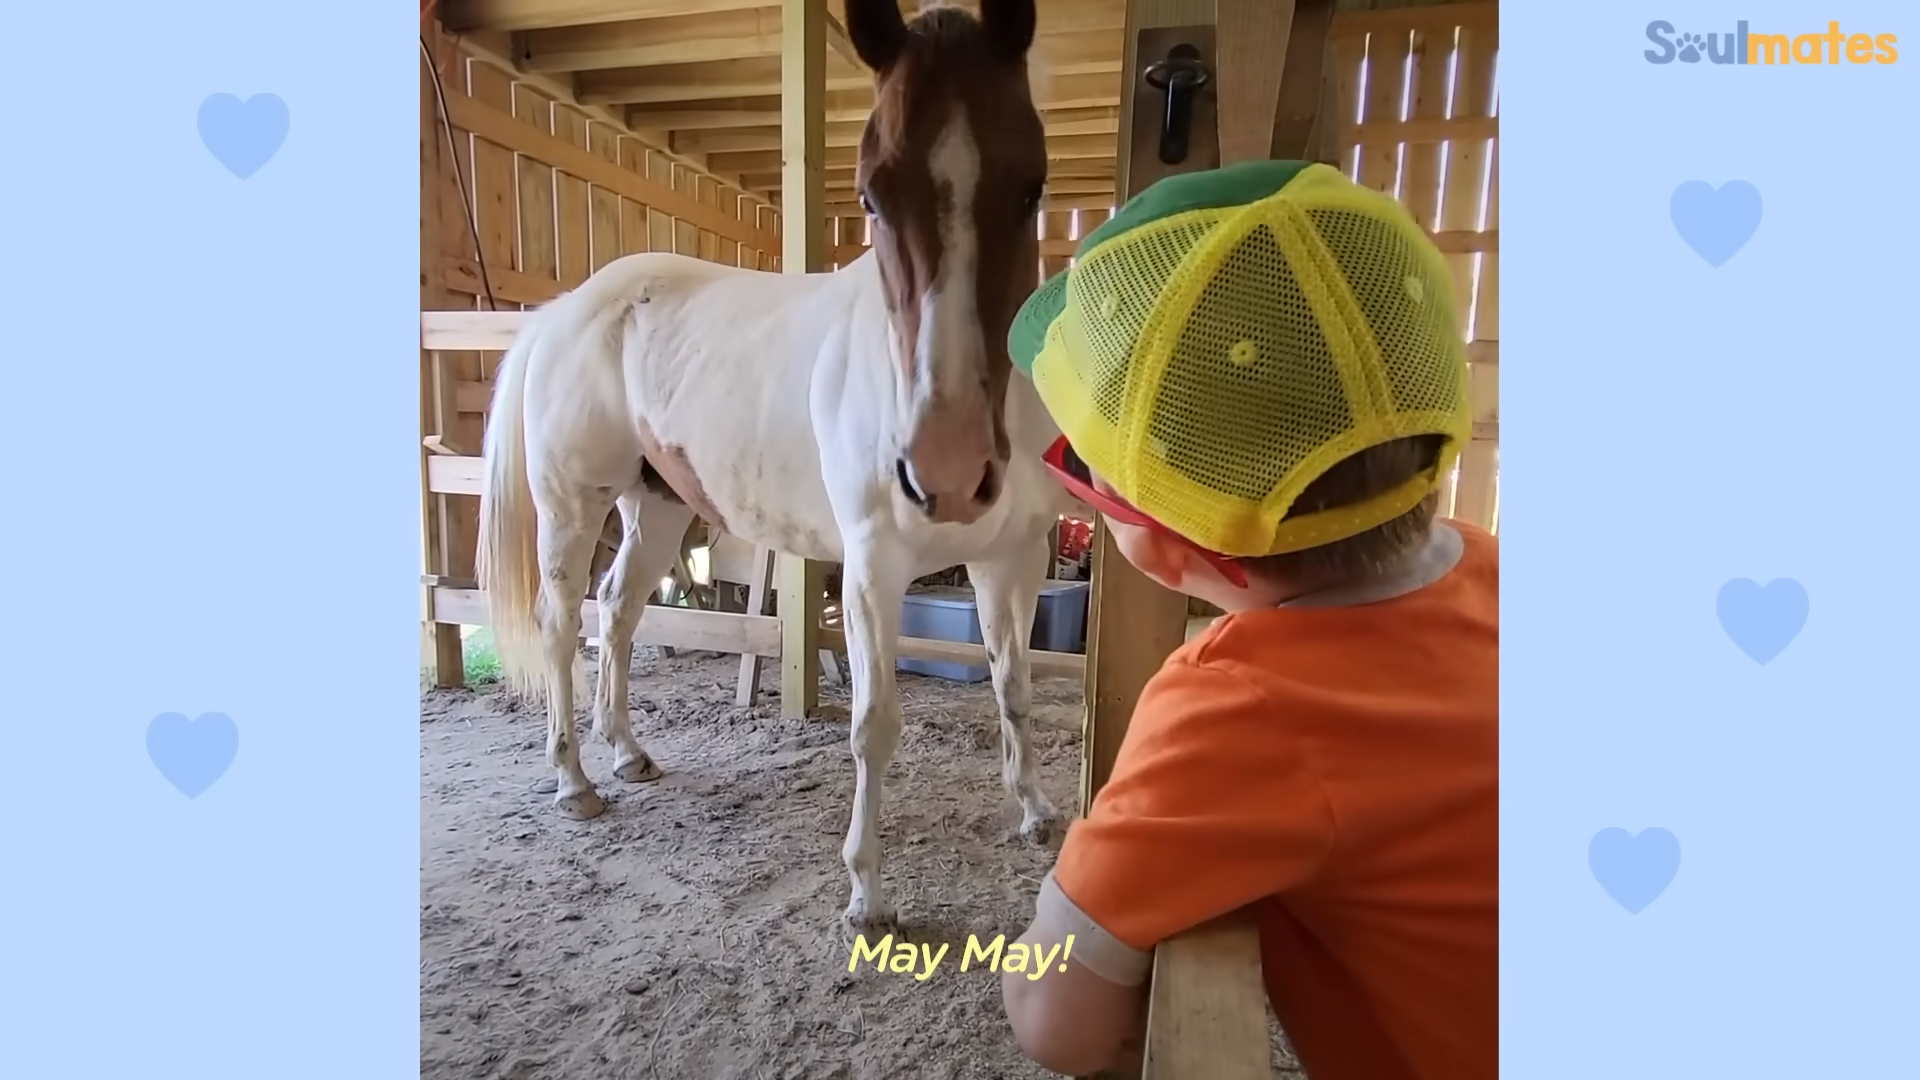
(1449, 129)
(752, 77)
(1402, 19)
(1045, 662)
(467, 16)
(475, 331)
(1133, 623)
(1302, 81)
(685, 39)
(675, 627)
(496, 48)
(849, 97)
(440, 643)
(1207, 1005)
(756, 161)
(803, 89)
(738, 138)
(501, 129)
(1251, 35)
(839, 42)
(751, 110)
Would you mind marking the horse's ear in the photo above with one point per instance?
(877, 30)
(1009, 25)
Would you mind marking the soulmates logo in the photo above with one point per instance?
(1742, 47)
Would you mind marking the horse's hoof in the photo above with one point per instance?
(585, 806)
(640, 770)
(1041, 830)
(872, 921)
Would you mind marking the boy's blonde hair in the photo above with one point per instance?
(1354, 480)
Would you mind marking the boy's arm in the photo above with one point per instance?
(1211, 807)
(1083, 1014)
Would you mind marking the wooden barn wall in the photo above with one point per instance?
(541, 195)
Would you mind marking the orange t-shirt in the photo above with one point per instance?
(1338, 768)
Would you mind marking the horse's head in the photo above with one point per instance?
(952, 166)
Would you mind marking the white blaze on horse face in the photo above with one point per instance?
(953, 430)
(949, 313)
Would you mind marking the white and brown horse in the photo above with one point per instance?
(868, 416)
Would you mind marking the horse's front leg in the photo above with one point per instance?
(1006, 590)
(873, 584)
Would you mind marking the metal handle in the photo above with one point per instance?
(1179, 76)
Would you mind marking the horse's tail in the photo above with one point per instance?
(507, 562)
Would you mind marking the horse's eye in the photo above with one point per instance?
(866, 205)
(1033, 199)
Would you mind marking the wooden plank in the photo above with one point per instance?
(709, 243)
(803, 134)
(1477, 497)
(1134, 623)
(1386, 88)
(660, 231)
(494, 193)
(1349, 61)
(681, 39)
(759, 592)
(1461, 203)
(1486, 302)
(510, 286)
(1437, 18)
(686, 234)
(491, 331)
(1207, 1005)
(1056, 242)
(538, 250)
(1252, 36)
(674, 627)
(465, 16)
(456, 475)
(603, 204)
(1432, 57)
(497, 126)
(1044, 661)
(440, 643)
(1431, 129)
(633, 215)
(494, 183)
(572, 197)
(751, 77)
(1302, 81)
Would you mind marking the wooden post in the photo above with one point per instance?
(1134, 624)
(440, 645)
(1207, 1014)
(1252, 33)
(803, 250)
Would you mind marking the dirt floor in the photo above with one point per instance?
(692, 931)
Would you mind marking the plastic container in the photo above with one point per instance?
(950, 614)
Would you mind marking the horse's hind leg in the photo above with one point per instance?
(654, 528)
(569, 527)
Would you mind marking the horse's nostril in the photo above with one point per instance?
(906, 483)
(989, 485)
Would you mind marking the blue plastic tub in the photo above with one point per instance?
(949, 614)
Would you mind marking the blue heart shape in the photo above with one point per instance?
(192, 754)
(243, 136)
(1716, 223)
(1634, 870)
(1762, 621)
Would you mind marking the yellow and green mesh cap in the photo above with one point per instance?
(1232, 334)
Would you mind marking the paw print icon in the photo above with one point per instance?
(1690, 46)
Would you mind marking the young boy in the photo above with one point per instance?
(1263, 385)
